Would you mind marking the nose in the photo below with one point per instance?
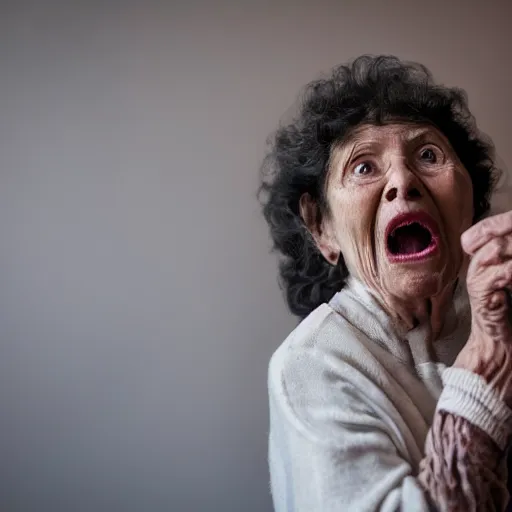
(403, 184)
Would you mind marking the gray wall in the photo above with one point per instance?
(138, 301)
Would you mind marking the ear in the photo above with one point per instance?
(319, 229)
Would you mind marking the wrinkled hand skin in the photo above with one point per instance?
(488, 351)
(463, 468)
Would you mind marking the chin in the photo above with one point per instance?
(415, 284)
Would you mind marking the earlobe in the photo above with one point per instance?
(309, 212)
(331, 256)
(329, 253)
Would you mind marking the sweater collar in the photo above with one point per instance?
(358, 305)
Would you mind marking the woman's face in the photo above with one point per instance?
(399, 199)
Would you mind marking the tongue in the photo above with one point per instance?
(411, 239)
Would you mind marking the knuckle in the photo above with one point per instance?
(497, 245)
(488, 228)
(490, 252)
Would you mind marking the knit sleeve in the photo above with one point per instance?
(463, 469)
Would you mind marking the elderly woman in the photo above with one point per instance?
(394, 391)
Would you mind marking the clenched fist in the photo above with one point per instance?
(488, 351)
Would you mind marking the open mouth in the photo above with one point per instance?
(411, 236)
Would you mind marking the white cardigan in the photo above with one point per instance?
(352, 399)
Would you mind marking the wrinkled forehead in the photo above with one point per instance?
(394, 133)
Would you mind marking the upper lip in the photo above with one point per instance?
(405, 218)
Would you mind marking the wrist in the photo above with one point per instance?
(490, 358)
(468, 396)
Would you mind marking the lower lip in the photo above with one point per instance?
(416, 256)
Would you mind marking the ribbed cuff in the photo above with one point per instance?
(467, 395)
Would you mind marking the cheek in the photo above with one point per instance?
(453, 193)
(355, 214)
(463, 201)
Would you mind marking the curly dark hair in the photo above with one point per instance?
(370, 90)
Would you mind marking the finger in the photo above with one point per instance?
(494, 252)
(495, 278)
(479, 234)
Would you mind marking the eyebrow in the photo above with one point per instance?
(416, 135)
(423, 134)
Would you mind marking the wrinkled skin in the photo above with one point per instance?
(375, 174)
(489, 348)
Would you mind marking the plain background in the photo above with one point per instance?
(138, 300)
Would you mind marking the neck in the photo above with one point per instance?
(411, 312)
(431, 310)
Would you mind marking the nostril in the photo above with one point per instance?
(391, 194)
(413, 193)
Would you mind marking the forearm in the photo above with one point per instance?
(463, 468)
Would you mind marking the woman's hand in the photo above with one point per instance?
(488, 351)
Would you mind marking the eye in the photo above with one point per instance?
(430, 155)
(363, 169)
